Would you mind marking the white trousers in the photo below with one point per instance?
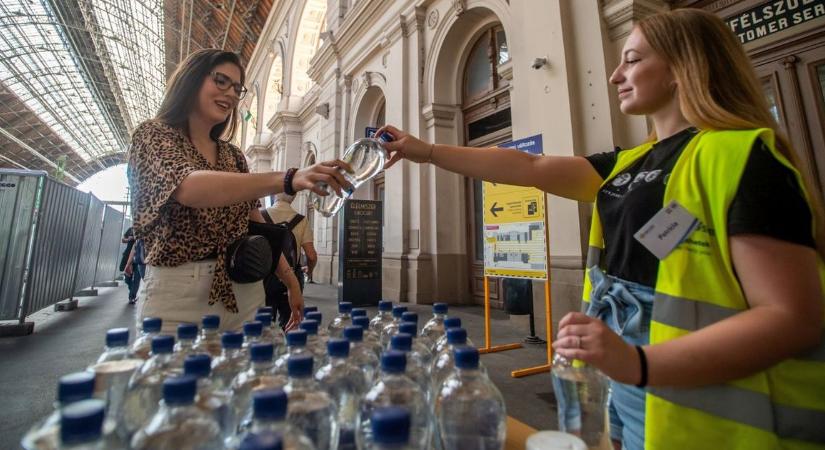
(181, 294)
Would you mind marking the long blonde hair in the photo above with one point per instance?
(718, 88)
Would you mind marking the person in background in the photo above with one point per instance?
(713, 339)
(125, 262)
(135, 269)
(193, 199)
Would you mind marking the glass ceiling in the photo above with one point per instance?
(49, 69)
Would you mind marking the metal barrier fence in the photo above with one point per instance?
(54, 241)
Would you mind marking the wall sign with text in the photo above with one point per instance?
(774, 16)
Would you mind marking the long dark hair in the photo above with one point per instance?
(183, 87)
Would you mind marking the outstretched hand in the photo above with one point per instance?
(328, 172)
(405, 146)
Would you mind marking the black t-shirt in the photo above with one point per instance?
(768, 202)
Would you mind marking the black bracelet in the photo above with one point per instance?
(643, 364)
(288, 189)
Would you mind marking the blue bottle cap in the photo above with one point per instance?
(393, 361)
(117, 337)
(361, 321)
(265, 309)
(310, 326)
(466, 357)
(402, 342)
(354, 333)
(314, 315)
(309, 309)
(269, 404)
(409, 328)
(456, 336)
(296, 338)
(409, 317)
(198, 365)
(187, 331)
(75, 387)
(385, 137)
(338, 348)
(252, 328)
(398, 311)
(358, 312)
(385, 305)
(152, 324)
(391, 425)
(264, 440)
(265, 319)
(163, 343)
(211, 322)
(299, 366)
(231, 339)
(452, 322)
(81, 422)
(440, 308)
(344, 307)
(179, 390)
(261, 352)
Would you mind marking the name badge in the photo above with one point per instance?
(667, 229)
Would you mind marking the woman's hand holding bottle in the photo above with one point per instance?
(327, 172)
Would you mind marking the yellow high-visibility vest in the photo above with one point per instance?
(782, 407)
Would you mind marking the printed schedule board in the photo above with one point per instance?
(514, 225)
(359, 263)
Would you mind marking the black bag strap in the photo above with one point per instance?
(294, 222)
(266, 215)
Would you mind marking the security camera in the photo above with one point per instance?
(538, 63)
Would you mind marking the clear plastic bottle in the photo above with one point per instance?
(449, 322)
(258, 376)
(392, 330)
(395, 388)
(210, 397)
(469, 409)
(185, 345)
(81, 425)
(265, 440)
(366, 157)
(252, 331)
(391, 429)
(389, 331)
(271, 333)
(383, 317)
(269, 407)
(346, 384)
(416, 368)
(231, 361)
(358, 312)
(296, 345)
(179, 423)
(117, 345)
(45, 435)
(361, 355)
(371, 339)
(315, 344)
(434, 328)
(341, 321)
(418, 348)
(311, 408)
(444, 362)
(581, 394)
(143, 344)
(209, 340)
(318, 317)
(145, 387)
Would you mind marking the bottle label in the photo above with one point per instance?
(385, 137)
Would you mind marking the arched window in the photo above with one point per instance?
(274, 89)
(481, 73)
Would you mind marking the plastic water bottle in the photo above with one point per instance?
(296, 341)
(210, 397)
(81, 425)
(358, 312)
(187, 333)
(391, 428)
(449, 322)
(269, 407)
(71, 388)
(315, 344)
(346, 384)
(262, 441)
(360, 354)
(143, 344)
(341, 321)
(323, 334)
(389, 331)
(258, 376)
(434, 328)
(581, 396)
(366, 157)
(469, 408)
(418, 348)
(231, 361)
(395, 388)
(416, 368)
(252, 331)
(145, 387)
(209, 341)
(179, 424)
(383, 318)
(311, 409)
(444, 363)
(117, 345)
(392, 329)
(371, 339)
(309, 309)
(271, 333)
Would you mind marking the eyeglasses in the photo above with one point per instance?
(223, 82)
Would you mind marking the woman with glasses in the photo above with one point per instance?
(193, 199)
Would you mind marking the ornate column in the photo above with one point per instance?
(621, 15)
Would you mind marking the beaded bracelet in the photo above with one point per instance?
(288, 189)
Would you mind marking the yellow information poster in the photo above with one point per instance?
(514, 222)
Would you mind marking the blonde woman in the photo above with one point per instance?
(716, 343)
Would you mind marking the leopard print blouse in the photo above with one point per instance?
(160, 157)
